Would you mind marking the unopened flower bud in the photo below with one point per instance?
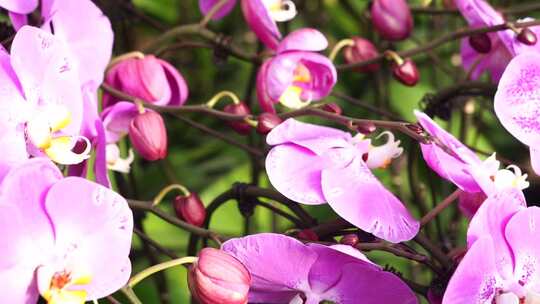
(266, 122)
(241, 127)
(392, 19)
(219, 278)
(332, 108)
(308, 235)
(527, 36)
(406, 73)
(350, 239)
(190, 209)
(362, 50)
(146, 77)
(366, 128)
(148, 135)
(480, 43)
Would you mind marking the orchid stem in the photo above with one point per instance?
(130, 295)
(214, 100)
(339, 46)
(166, 191)
(118, 59)
(159, 267)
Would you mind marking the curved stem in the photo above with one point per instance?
(159, 267)
(339, 46)
(214, 100)
(166, 191)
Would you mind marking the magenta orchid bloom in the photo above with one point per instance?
(503, 45)
(283, 269)
(18, 9)
(206, 5)
(262, 15)
(296, 75)
(149, 78)
(66, 239)
(312, 165)
(461, 166)
(501, 265)
(517, 103)
(41, 99)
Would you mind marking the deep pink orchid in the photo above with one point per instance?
(461, 166)
(262, 15)
(149, 78)
(313, 165)
(66, 239)
(504, 45)
(297, 74)
(283, 270)
(501, 265)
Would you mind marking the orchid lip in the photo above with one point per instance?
(280, 10)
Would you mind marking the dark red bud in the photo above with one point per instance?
(392, 19)
(480, 43)
(266, 122)
(350, 239)
(148, 135)
(366, 128)
(332, 108)
(362, 50)
(406, 73)
(190, 209)
(218, 277)
(308, 235)
(242, 128)
(527, 36)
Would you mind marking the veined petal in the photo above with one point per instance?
(357, 196)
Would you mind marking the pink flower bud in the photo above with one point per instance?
(480, 43)
(148, 78)
(308, 235)
(148, 135)
(266, 122)
(392, 19)
(190, 208)
(527, 36)
(350, 239)
(240, 127)
(332, 108)
(406, 73)
(362, 50)
(219, 278)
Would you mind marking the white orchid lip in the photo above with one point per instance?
(56, 286)
(280, 10)
(43, 130)
(117, 163)
(381, 156)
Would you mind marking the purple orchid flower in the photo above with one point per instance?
(501, 265)
(149, 78)
(65, 252)
(282, 269)
(296, 75)
(312, 165)
(517, 103)
(41, 99)
(262, 15)
(504, 45)
(18, 9)
(461, 166)
(206, 5)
